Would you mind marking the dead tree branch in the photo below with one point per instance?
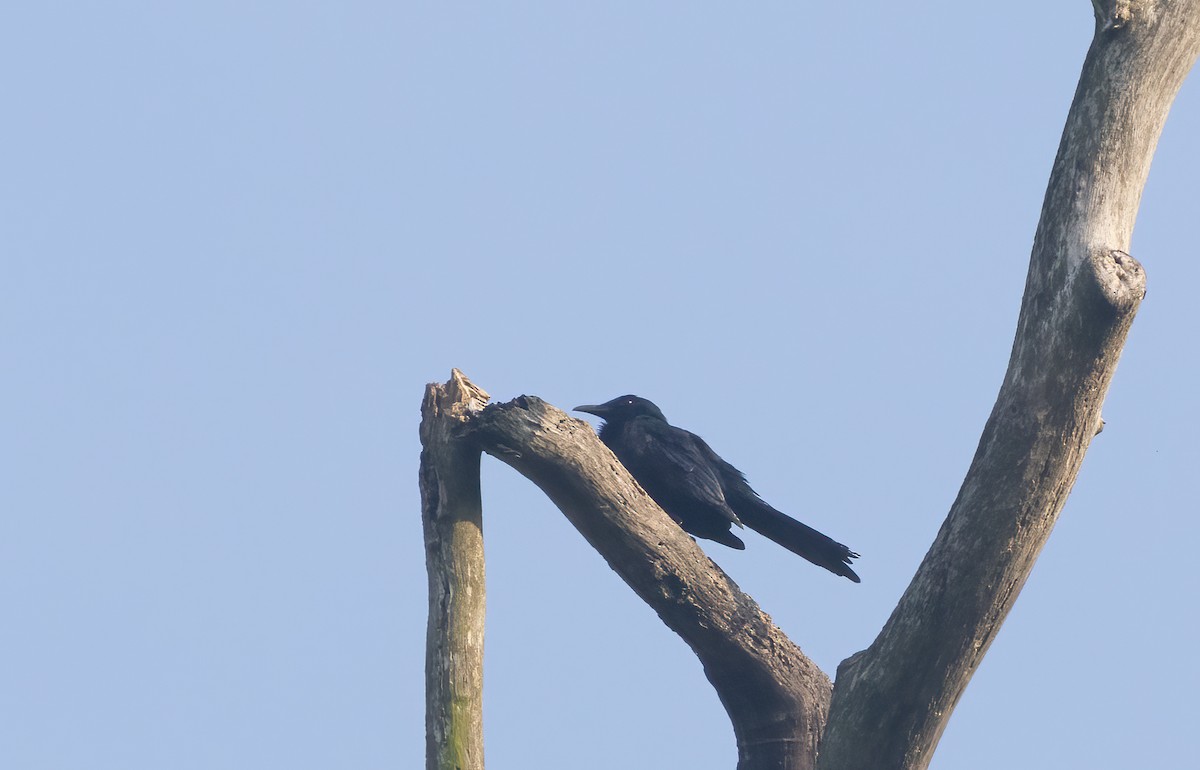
(776, 697)
(452, 515)
(892, 701)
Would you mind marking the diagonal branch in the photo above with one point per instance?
(892, 701)
(776, 697)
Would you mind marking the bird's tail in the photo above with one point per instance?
(798, 538)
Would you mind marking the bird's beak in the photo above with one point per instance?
(597, 409)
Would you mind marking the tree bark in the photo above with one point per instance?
(892, 701)
(451, 513)
(776, 697)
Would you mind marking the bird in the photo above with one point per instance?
(703, 493)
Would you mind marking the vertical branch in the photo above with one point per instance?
(892, 701)
(451, 513)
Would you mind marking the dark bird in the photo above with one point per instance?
(699, 490)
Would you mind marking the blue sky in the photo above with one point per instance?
(239, 239)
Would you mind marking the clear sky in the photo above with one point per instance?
(237, 240)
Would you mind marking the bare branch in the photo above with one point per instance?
(451, 513)
(893, 700)
(776, 697)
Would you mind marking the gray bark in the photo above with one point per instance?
(893, 700)
(776, 697)
(452, 516)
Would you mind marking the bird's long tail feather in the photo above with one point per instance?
(798, 538)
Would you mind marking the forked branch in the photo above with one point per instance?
(893, 700)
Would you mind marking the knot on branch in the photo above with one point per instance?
(1113, 14)
(1121, 280)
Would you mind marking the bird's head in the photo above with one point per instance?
(624, 408)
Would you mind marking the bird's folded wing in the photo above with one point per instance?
(680, 457)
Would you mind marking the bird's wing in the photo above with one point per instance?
(674, 453)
